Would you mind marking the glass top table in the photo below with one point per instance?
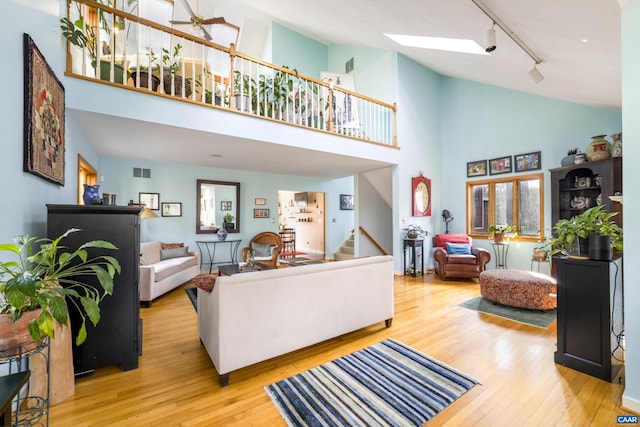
(209, 247)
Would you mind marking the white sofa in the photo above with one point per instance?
(158, 276)
(251, 317)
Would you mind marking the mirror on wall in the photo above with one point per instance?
(218, 206)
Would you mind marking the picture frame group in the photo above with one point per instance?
(507, 164)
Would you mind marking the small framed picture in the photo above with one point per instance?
(172, 209)
(528, 162)
(477, 168)
(346, 202)
(500, 165)
(225, 205)
(261, 202)
(261, 213)
(150, 200)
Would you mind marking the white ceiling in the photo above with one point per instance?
(582, 72)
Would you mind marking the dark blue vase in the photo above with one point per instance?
(90, 192)
(222, 234)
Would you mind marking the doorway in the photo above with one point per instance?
(305, 213)
(87, 174)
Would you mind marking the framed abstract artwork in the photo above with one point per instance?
(150, 200)
(346, 202)
(528, 162)
(43, 117)
(477, 168)
(172, 209)
(500, 165)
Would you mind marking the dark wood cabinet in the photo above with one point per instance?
(590, 316)
(578, 187)
(117, 339)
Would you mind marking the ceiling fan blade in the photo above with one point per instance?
(219, 20)
(206, 34)
(180, 22)
(191, 13)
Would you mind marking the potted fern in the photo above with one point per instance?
(39, 277)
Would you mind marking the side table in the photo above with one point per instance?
(413, 244)
(10, 385)
(501, 250)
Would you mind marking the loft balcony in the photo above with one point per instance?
(116, 46)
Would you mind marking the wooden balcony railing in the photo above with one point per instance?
(110, 43)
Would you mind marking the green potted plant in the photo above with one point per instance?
(172, 81)
(43, 276)
(500, 231)
(273, 94)
(143, 76)
(594, 226)
(413, 231)
(244, 92)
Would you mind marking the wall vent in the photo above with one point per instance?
(348, 66)
(141, 173)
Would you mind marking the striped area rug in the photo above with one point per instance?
(387, 384)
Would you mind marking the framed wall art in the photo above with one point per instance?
(150, 200)
(346, 202)
(477, 168)
(261, 201)
(171, 209)
(225, 205)
(43, 117)
(500, 165)
(528, 162)
(261, 213)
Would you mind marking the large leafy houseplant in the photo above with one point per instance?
(46, 275)
(593, 221)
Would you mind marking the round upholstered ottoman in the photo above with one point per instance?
(519, 288)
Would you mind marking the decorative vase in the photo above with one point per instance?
(222, 234)
(599, 247)
(90, 192)
(579, 158)
(616, 146)
(568, 160)
(599, 149)
(412, 234)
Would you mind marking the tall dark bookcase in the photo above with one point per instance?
(590, 316)
(117, 339)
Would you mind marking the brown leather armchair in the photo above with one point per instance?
(261, 242)
(465, 266)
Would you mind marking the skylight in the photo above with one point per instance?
(438, 43)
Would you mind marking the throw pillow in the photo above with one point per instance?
(458, 248)
(171, 245)
(173, 253)
(206, 282)
(261, 249)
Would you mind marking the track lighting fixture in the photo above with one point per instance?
(490, 39)
(535, 74)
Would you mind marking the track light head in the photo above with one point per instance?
(535, 74)
(490, 39)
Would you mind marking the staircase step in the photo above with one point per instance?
(339, 256)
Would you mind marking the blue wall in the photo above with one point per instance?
(484, 122)
(293, 50)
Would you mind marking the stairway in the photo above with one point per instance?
(345, 251)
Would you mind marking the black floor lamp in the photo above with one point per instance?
(447, 218)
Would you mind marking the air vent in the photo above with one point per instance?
(348, 66)
(141, 173)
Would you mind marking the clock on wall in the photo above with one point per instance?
(421, 196)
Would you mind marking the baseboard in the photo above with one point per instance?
(630, 404)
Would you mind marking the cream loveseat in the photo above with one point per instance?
(162, 270)
(251, 317)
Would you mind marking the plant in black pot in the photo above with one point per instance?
(174, 83)
(40, 277)
(594, 228)
(414, 231)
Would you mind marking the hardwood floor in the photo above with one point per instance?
(176, 384)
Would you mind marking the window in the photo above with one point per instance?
(517, 200)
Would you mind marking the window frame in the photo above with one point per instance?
(515, 180)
